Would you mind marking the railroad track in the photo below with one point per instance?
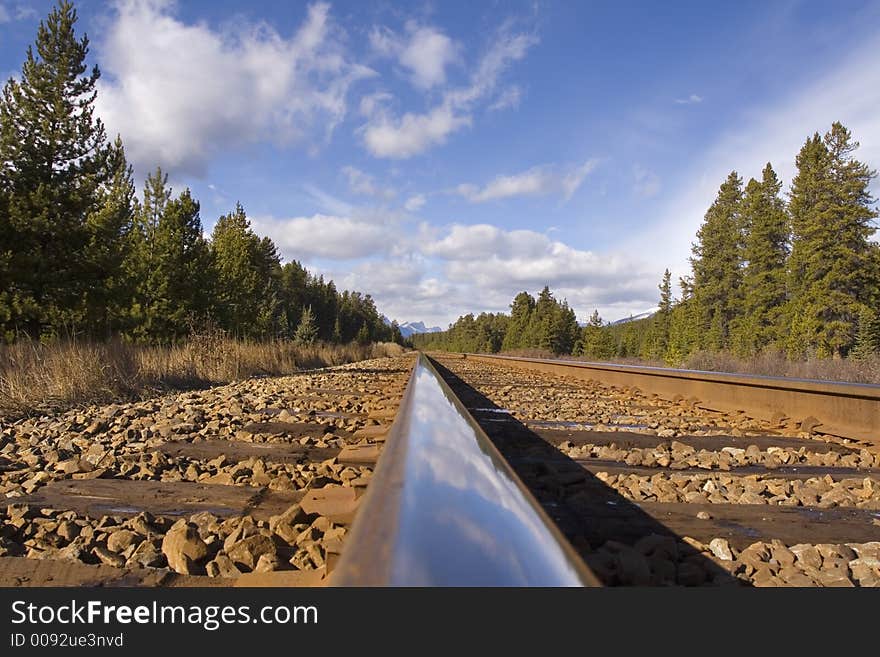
(668, 489)
(496, 472)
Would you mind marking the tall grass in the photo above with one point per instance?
(37, 377)
(774, 363)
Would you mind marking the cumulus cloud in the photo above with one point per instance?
(423, 51)
(415, 203)
(388, 135)
(364, 184)
(180, 93)
(411, 134)
(537, 181)
(693, 99)
(326, 236)
(495, 264)
(646, 183)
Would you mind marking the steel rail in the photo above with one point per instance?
(848, 410)
(445, 509)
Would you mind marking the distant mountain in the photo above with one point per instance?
(633, 318)
(408, 329)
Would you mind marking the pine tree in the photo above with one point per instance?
(170, 262)
(659, 332)
(538, 333)
(564, 329)
(833, 271)
(307, 330)
(521, 310)
(595, 340)
(684, 325)
(868, 341)
(54, 166)
(396, 335)
(249, 279)
(363, 334)
(716, 264)
(110, 228)
(765, 251)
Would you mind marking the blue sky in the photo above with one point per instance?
(445, 155)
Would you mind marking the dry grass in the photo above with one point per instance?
(776, 364)
(770, 363)
(38, 377)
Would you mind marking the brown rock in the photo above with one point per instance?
(68, 530)
(183, 548)
(807, 555)
(222, 566)
(267, 563)
(118, 541)
(784, 557)
(108, 557)
(248, 551)
(146, 554)
(865, 573)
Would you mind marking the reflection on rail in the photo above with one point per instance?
(445, 509)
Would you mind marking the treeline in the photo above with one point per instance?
(80, 254)
(798, 275)
(542, 323)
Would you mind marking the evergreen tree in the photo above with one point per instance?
(716, 264)
(683, 325)
(170, 262)
(55, 165)
(659, 334)
(363, 334)
(396, 335)
(538, 333)
(868, 341)
(110, 228)
(766, 229)
(520, 316)
(595, 341)
(833, 269)
(307, 331)
(249, 278)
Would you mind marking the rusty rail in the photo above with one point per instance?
(445, 509)
(847, 410)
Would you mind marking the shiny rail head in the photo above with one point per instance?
(445, 509)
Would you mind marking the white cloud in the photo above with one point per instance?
(537, 181)
(510, 97)
(326, 236)
(363, 183)
(415, 203)
(424, 51)
(693, 99)
(4, 15)
(412, 133)
(493, 263)
(388, 135)
(180, 93)
(646, 182)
